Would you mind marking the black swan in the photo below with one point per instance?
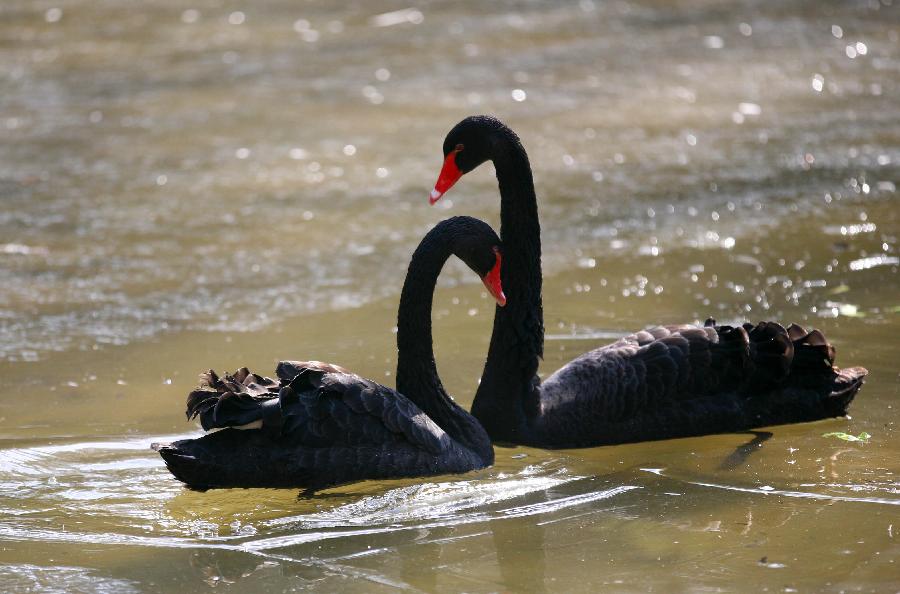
(660, 383)
(320, 425)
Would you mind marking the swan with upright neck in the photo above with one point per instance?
(664, 382)
(319, 425)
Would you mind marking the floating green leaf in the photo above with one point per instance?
(863, 437)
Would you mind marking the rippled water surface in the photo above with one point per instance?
(187, 185)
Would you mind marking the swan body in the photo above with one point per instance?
(318, 425)
(660, 383)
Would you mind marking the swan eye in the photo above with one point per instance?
(458, 148)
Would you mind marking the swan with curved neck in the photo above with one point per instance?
(664, 382)
(319, 425)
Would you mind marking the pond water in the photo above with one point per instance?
(218, 184)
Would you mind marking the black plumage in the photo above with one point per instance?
(659, 383)
(319, 425)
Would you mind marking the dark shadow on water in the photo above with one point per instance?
(742, 452)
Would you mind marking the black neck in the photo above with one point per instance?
(507, 395)
(417, 376)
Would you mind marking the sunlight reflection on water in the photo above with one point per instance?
(212, 185)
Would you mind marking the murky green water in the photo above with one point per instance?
(222, 183)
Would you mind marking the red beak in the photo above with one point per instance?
(450, 174)
(491, 280)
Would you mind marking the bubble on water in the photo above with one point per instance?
(818, 83)
(745, 29)
(190, 16)
(297, 153)
(301, 25)
(53, 15)
(597, 176)
(518, 95)
(855, 229)
(310, 35)
(568, 160)
(837, 31)
(237, 18)
(308, 215)
(382, 74)
(713, 42)
(751, 109)
(242, 153)
(691, 140)
(372, 94)
(349, 150)
(873, 261)
(398, 17)
(850, 51)
(382, 172)
(161, 179)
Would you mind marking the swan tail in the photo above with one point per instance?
(844, 387)
(799, 360)
(241, 400)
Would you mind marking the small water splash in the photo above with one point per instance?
(467, 510)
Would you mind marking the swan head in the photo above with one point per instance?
(477, 245)
(467, 145)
